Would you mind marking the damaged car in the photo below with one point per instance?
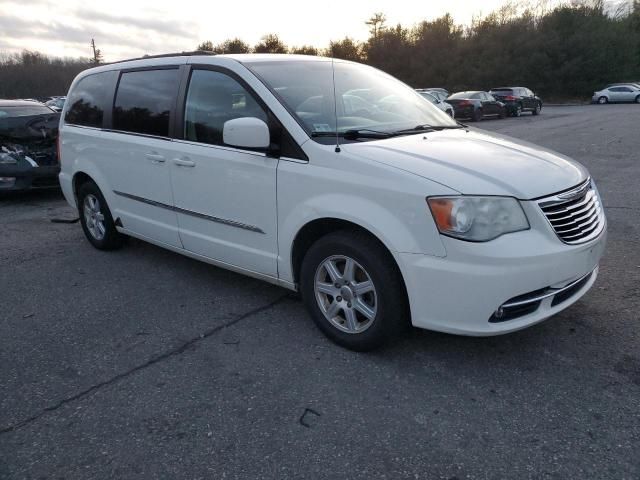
(28, 152)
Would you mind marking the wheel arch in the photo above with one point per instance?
(78, 179)
(315, 229)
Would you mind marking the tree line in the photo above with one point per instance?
(566, 51)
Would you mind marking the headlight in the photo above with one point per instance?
(477, 219)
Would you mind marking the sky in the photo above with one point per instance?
(131, 28)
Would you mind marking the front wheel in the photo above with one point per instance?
(353, 290)
(95, 218)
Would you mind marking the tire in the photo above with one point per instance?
(638, 99)
(477, 115)
(603, 100)
(518, 111)
(502, 114)
(537, 109)
(95, 218)
(325, 293)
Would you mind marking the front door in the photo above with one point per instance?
(225, 197)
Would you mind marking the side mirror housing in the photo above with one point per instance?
(247, 132)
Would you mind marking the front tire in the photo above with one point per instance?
(353, 290)
(95, 218)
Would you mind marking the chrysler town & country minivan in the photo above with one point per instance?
(334, 179)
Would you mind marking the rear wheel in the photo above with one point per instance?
(477, 115)
(518, 110)
(638, 99)
(603, 100)
(353, 290)
(95, 218)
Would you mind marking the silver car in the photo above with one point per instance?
(627, 92)
(438, 102)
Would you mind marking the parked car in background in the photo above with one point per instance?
(476, 105)
(440, 91)
(628, 92)
(518, 100)
(28, 155)
(441, 104)
(56, 104)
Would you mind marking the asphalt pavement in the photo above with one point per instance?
(142, 363)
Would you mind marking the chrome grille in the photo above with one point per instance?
(576, 215)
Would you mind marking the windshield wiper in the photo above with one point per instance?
(356, 133)
(427, 127)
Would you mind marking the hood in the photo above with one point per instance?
(29, 139)
(475, 162)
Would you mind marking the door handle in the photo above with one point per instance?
(155, 157)
(184, 162)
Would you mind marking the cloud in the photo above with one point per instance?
(72, 29)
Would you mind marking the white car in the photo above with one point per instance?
(441, 104)
(617, 93)
(382, 216)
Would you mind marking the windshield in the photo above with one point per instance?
(365, 98)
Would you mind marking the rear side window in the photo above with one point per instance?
(144, 101)
(214, 98)
(89, 99)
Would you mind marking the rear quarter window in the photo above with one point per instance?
(89, 99)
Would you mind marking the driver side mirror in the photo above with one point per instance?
(247, 132)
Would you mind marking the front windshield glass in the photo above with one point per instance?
(365, 98)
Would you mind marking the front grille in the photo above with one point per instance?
(576, 216)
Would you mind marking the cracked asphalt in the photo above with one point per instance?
(142, 363)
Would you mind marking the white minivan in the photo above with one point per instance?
(336, 180)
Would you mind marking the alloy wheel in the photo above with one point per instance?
(345, 294)
(93, 216)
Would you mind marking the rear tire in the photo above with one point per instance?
(518, 111)
(477, 115)
(353, 290)
(638, 99)
(95, 218)
(603, 100)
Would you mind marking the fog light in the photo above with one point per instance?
(7, 182)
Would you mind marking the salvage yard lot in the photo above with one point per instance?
(142, 363)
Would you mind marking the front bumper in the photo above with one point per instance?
(26, 177)
(462, 292)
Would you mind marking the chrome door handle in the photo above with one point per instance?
(155, 157)
(184, 162)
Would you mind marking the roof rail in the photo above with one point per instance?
(164, 55)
